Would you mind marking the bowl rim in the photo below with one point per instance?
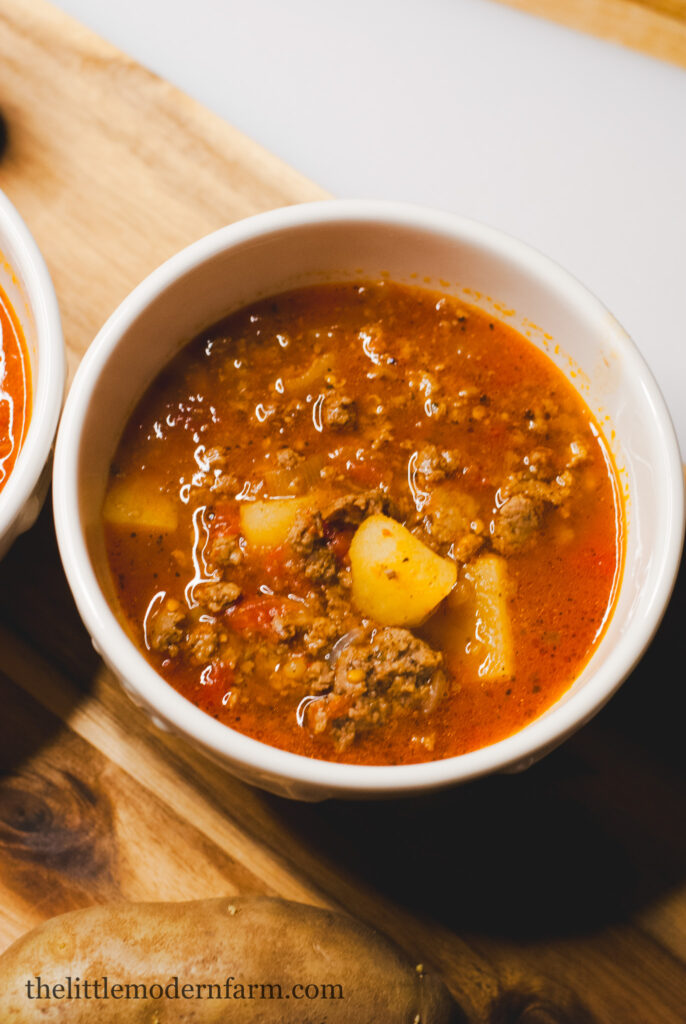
(26, 261)
(254, 756)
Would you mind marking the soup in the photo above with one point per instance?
(15, 388)
(364, 522)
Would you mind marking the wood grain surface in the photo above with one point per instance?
(555, 895)
(655, 27)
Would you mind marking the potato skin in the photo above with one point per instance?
(259, 941)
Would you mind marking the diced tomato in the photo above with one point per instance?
(255, 614)
(274, 562)
(338, 540)
(226, 518)
(369, 471)
(220, 675)
(369, 474)
(209, 686)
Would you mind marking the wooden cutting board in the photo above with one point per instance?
(560, 891)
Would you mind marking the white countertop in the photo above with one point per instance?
(575, 145)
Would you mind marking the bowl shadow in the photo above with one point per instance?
(584, 838)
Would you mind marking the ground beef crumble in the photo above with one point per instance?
(388, 669)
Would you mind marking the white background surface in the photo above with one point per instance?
(573, 144)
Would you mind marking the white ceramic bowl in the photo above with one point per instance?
(25, 280)
(342, 240)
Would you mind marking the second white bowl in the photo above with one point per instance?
(26, 281)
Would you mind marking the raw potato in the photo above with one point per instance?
(489, 576)
(139, 503)
(261, 942)
(265, 524)
(397, 580)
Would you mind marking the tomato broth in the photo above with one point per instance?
(15, 388)
(365, 522)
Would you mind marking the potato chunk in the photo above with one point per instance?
(397, 580)
(139, 503)
(488, 574)
(265, 524)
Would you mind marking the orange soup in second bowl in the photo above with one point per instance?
(15, 388)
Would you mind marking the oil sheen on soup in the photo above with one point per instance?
(364, 522)
(15, 388)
